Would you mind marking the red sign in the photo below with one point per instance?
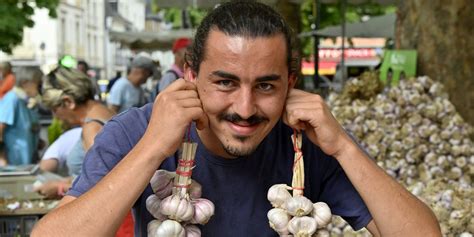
(335, 53)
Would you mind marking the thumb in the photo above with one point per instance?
(202, 122)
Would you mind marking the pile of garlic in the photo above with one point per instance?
(295, 213)
(176, 204)
(414, 133)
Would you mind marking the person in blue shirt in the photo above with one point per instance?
(127, 92)
(19, 124)
(238, 96)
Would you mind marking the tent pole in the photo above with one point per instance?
(343, 14)
(317, 22)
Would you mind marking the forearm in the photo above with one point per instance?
(396, 211)
(100, 211)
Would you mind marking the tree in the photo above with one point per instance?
(441, 32)
(15, 15)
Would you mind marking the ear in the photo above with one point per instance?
(68, 102)
(189, 74)
(292, 79)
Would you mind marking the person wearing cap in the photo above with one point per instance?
(126, 92)
(176, 71)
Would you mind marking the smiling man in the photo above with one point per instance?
(238, 90)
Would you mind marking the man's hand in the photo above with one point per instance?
(308, 112)
(173, 111)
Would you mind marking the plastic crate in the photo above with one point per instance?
(17, 226)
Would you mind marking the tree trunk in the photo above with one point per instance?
(442, 33)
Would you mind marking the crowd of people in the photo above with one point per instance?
(78, 111)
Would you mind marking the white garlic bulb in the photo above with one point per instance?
(203, 210)
(153, 206)
(177, 208)
(278, 194)
(170, 228)
(322, 214)
(278, 220)
(162, 183)
(298, 206)
(192, 231)
(302, 226)
(153, 227)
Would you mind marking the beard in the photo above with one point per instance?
(236, 151)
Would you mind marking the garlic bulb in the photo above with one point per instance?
(322, 233)
(195, 190)
(298, 206)
(303, 226)
(153, 227)
(177, 208)
(162, 183)
(153, 206)
(170, 228)
(278, 194)
(278, 220)
(322, 214)
(203, 210)
(192, 231)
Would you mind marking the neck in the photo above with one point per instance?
(83, 110)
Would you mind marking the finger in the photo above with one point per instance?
(183, 94)
(298, 126)
(191, 102)
(298, 118)
(180, 84)
(202, 122)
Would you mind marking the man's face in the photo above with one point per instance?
(142, 74)
(243, 84)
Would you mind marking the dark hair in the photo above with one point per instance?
(83, 63)
(248, 19)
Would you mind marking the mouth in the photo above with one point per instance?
(243, 128)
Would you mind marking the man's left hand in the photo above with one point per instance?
(308, 112)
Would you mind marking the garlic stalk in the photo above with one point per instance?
(153, 206)
(298, 166)
(192, 231)
(182, 181)
(177, 208)
(278, 194)
(322, 214)
(152, 227)
(298, 206)
(278, 219)
(303, 226)
(170, 228)
(203, 210)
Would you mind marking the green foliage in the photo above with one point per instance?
(15, 15)
(175, 16)
(331, 15)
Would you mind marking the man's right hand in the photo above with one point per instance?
(173, 111)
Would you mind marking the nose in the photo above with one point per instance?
(244, 103)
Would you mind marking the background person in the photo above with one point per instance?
(179, 50)
(127, 92)
(19, 125)
(7, 80)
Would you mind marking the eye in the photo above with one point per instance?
(265, 86)
(225, 84)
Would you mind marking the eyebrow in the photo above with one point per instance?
(222, 74)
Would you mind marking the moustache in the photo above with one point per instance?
(235, 118)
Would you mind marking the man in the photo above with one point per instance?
(19, 125)
(238, 88)
(7, 81)
(126, 92)
(176, 71)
